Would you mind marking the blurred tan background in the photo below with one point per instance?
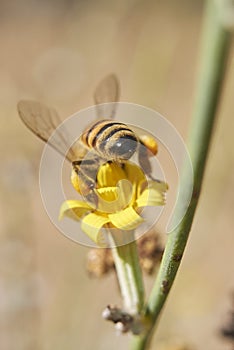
(56, 52)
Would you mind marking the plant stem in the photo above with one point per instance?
(216, 43)
(129, 272)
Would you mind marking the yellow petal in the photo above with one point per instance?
(114, 199)
(92, 225)
(109, 175)
(134, 173)
(126, 219)
(160, 185)
(153, 195)
(109, 194)
(74, 209)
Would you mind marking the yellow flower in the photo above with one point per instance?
(122, 193)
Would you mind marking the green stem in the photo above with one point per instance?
(128, 272)
(216, 43)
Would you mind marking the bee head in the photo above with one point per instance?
(122, 148)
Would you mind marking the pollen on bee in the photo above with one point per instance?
(151, 145)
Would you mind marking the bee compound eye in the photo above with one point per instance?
(123, 148)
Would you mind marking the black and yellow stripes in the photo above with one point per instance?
(112, 140)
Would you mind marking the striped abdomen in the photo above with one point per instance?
(112, 140)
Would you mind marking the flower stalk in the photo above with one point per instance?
(216, 44)
(129, 272)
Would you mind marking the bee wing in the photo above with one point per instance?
(42, 121)
(107, 91)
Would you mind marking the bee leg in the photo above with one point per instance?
(144, 161)
(86, 171)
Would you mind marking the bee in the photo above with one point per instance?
(105, 140)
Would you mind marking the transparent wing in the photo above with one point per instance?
(107, 91)
(42, 121)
